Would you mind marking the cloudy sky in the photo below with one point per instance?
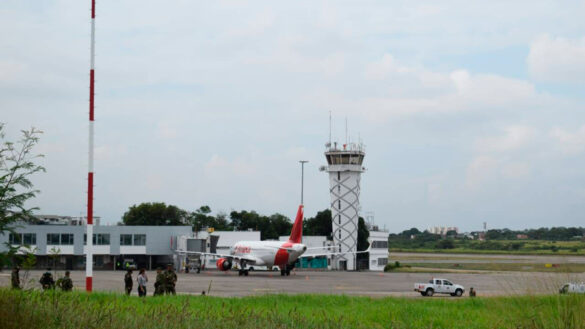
(470, 111)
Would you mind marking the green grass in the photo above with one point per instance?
(520, 267)
(33, 309)
(524, 247)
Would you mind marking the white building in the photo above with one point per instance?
(344, 166)
(442, 230)
(378, 250)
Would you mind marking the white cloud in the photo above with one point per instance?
(557, 59)
(166, 130)
(382, 69)
(570, 142)
(514, 138)
(436, 92)
(480, 170)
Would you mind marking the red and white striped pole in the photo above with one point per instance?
(89, 247)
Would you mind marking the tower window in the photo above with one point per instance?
(339, 217)
(339, 204)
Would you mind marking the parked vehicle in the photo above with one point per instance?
(439, 286)
(129, 264)
(573, 288)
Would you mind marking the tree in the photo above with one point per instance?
(446, 244)
(451, 233)
(319, 225)
(16, 167)
(362, 243)
(270, 227)
(201, 218)
(363, 235)
(155, 213)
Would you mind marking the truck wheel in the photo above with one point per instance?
(430, 292)
(458, 292)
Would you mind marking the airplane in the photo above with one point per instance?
(266, 253)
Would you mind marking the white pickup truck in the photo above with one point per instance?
(573, 288)
(439, 286)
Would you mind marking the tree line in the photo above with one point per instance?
(270, 227)
(495, 239)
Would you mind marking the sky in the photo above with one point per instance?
(471, 111)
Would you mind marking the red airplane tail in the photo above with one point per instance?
(296, 234)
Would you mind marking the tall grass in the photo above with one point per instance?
(34, 309)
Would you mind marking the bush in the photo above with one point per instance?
(445, 244)
(391, 267)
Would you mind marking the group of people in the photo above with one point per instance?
(47, 282)
(164, 284)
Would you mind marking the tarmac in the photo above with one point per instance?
(372, 284)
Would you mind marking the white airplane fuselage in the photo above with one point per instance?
(269, 253)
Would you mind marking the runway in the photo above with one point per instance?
(373, 284)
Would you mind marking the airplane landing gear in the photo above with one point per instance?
(243, 272)
(285, 271)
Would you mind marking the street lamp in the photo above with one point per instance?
(302, 177)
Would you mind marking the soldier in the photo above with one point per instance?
(128, 282)
(159, 284)
(15, 278)
(65, 283)
(170, 280)
(47, 281)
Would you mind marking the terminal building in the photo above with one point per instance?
(116, 247)
(63, 246)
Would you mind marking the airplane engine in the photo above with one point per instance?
(224, 264)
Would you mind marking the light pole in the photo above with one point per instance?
(302, 177)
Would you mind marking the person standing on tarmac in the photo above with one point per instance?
(15, 278)
(65, 283)
(128, 282)
(47, 281)
(170, 280)
(159, 284)
(142, 280)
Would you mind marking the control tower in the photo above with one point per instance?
(344, 165)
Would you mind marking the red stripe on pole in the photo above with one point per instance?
(90, 198)
(88, 283)
(91, 95)
(92, 9)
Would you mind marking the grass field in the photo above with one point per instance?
(505, 247)
(523, 267)
(33, 309)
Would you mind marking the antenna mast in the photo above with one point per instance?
(329, 128)
(345, 130)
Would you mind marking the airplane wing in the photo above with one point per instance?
(312, 255)
(248, 260)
